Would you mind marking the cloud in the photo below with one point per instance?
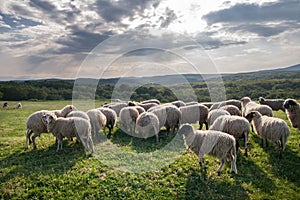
(265, 20)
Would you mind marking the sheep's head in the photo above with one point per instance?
(260, 99)
(49, 119)
(186, 130)
(289, 103)
(245, 100)
(67, 109)
(251, 115)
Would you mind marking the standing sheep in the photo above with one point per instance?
(214, 143)
(214, 114)
(233, 110)
(275, 104)
(5, 105)
(193, 113)
(292, 109)
(147, 125)
(97, 120)
(270, 128)
(70, 127)
(249, 106)
(127, 119)
(36, 125)
(236, 126)
(117, 107)
(173, 118)
(111, 119)
(19, 106)
(77, 113)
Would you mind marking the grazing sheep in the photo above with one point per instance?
(5, 105)
(292, 109)
(117, 107)
(147, 125)
(35, 124)
(19, 106)
(97, 120)
(111, 119)
(151, 101)
(173, 118)
(77, 113)
(127, 119)
(233, 110)
(193, 113)
(161, 113)
(275, 104)
(214, 114)
(214, 143)
(70, 127)
(270, 128)
(236, 126)
(178, 103)
(234, 102)
(248, 106)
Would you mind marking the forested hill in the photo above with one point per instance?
(279, 83)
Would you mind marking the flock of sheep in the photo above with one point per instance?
(226, 123)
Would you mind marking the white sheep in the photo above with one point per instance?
(234, 102)
(161, 113)
(173, 118)
(214, 143)
(249, 106)
(97, 120)
(292, 109)
(275, 104)
(111, 119)
(70, 127)
(151, 101)
(19, 106)
(147, 125)
(214, 114)
(193, 113)
(270, 128)
(117, 107)
(127, 119)
(236, 126)
(78, 113)
(35, 124)
(233, 110)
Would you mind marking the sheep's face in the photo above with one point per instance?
(251, 115)
(48, 119)
(289, 103)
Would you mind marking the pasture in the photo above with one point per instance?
(45, 174)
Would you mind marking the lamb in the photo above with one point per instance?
(34, 123)
(214, 114)
(193, 113)
(292, 109)
(214, 143)
(275, 104)
(127, 119)
(97, 120)
(19, 106)
(234, 102)
(248, 106)
(233, 110)
(70, 127)
(236, 126)
(111, 119)
(151, 101)
(147, 125)
(270, 128)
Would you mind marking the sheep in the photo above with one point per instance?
(151, 101)
(248, 106)
(173, 118)
(111, 119)
(97, 120)
(147, 125)
(275, 104)
(270, 128)
(34, 123)
(117, 107)
(237, 126)
(19, 106)
(214, 143)
(233, 110)
(292, 109)
(178, 103)
(127, 119)
(161, 113)
(194, 113)
(214, 114)
(234, 102)
(70, 127)
(140, 109)
(77, 113)
(5, 105)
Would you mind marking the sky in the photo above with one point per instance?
(114, 38)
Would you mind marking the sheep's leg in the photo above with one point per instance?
(232, 156)
(222, 160)
(59, 144)
(206, 125)
(200, 125)
(262, 143)
(267, 145)
(28, 140)
(202, 163)
(246, 144)
(33, 139)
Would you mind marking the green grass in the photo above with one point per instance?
(45, 174)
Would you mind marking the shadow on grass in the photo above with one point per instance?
(29, 162)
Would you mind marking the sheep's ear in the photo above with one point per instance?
(71, 107)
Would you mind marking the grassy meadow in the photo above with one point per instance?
(70, 174)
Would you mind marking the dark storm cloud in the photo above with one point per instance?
(258, 19)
